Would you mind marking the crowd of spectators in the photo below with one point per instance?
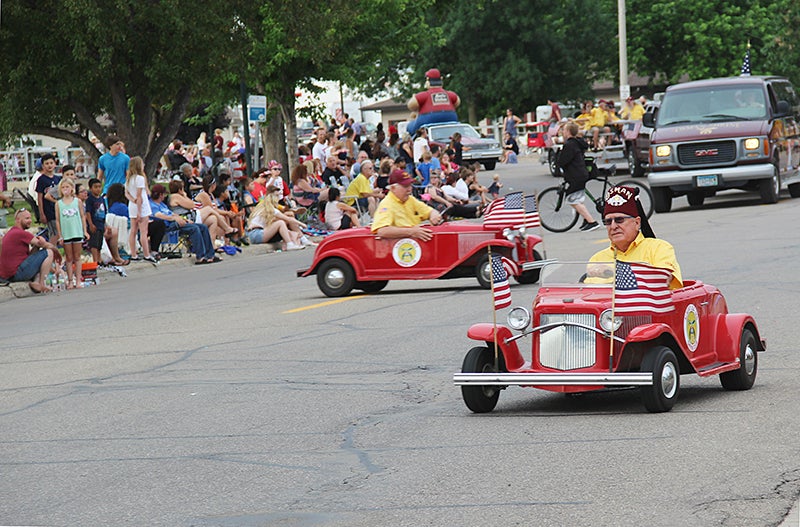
(214, 206)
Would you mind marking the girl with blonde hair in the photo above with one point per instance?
(71, 229)
(138, 208)
(266, 221)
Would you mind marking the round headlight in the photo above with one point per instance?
(606, 321)
(518, 318)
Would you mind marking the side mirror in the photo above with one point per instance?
(783, 108)
(649, 120)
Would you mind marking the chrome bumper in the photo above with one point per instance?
(554, 379)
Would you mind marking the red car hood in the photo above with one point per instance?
(709, 131)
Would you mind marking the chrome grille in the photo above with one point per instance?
(567, 347)
(630, 322)
(707, 153)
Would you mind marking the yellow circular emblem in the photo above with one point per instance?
(691, 327)
(406, 252)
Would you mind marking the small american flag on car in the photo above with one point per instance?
(640, 287)
(508, 211)
(500, 288)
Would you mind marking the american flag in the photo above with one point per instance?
(508, 212)
(511, 267)
(640, 287)
(746, 62)
(500, 288)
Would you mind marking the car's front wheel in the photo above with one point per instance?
(770, 189)
(483, 271)
(531, 276)
(745, 376)
(489, 165)
(662, 199)
(335, 277)
(662, 394)
(480, 399)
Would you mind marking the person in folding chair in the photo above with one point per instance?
(165, 220)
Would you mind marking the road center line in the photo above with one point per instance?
(323, 304)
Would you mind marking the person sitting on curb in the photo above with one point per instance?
(18, 263)
(399, 213)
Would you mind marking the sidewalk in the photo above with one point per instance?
(21, 290)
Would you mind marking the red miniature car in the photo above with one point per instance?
(357, 259)
(658, 336)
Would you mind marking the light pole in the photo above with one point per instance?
(624, 87)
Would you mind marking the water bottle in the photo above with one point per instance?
(62, 283)
(49, 280)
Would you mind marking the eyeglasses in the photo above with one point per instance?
(619, 220)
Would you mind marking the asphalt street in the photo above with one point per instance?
(238, 395)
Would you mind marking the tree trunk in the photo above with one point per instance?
(276, 138)
(472, 113)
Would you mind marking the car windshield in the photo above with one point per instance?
(572, 274)
(442, 134)
(724, 103)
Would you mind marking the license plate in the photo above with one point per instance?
(707, 181)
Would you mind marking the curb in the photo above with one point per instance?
(17, 290)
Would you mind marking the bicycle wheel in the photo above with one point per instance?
(645, 196)
(554, 212)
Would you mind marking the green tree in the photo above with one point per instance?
(69, 68)
(361, 43)
(696, 39)
(497, 54)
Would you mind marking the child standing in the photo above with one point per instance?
(138, 208)
(494, 188)
(71, 229)
(423, 169)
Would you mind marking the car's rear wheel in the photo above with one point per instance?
(770, 189)
(373, 286)
(696, 198)
(662, 198)
(634, 165)
(483, 272)
(662, 394)
(745, 376)
(480, 399)
(552, 161)
(335, 277)
(794, 190)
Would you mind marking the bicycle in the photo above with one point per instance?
(558, 216)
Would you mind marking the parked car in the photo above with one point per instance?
(637, 142)
(718, 134)
(357, 259)
(476, 148)
(658, 336)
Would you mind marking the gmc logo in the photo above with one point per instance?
(707, 152)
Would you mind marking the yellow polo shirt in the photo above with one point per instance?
(597, 118)
(392, 211)
(358, 187)
(650, 251)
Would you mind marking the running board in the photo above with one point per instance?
(554, 379)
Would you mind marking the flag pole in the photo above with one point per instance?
(494, 311)
(613, 308)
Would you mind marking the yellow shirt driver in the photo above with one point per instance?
(623, 221)
(399, 214)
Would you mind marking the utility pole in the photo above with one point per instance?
(624, 87)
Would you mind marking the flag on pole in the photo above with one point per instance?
(508, 212)
(511, 267)
(746, 62)
(640, 287)
(500, 288)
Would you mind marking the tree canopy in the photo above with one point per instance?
(69, 68)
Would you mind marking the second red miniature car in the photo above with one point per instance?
(357, 259)
(657, 335)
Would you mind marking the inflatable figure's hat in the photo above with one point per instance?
(434, 77)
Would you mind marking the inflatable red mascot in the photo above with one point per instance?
(434, 105)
